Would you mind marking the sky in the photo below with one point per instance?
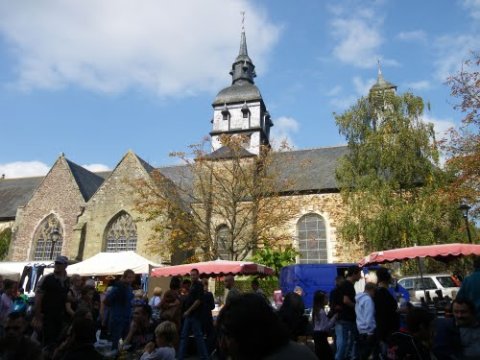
(95, 78)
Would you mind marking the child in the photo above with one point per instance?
(165, 339)
(321, 326)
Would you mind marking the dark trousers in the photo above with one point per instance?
(366, 345)
(323, 350)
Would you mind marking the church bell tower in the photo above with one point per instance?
(239, 109)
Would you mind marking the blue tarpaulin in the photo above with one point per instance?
(311, 277)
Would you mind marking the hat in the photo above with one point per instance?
(60, 259)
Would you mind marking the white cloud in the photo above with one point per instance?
(96, 167)
(473, 8)
(283, 130)
(358, 42)
(362, 87)
(441, 126)
(452, 51)
(419, 85)
(24, 169)
(415, 35)
(343, 102)
(169, 48)
(334, 91)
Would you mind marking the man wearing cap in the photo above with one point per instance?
(50, 299)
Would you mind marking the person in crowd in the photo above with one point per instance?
(208, 304)
(119, 300)
(184, 290)
(15, 344)
(139, 298)
(470, 289)
(366, 325)
(231, 290)
(414, 344)
(154, 303)
(345, 327)
(170, 306)
(74, 294)
(96, 300)
(322, 325)
(50, 299)
(292, 313)
(6, 301)
(335, 299)
(386, 309)
(141, 328)
(86, 301)
(163, 348)
(298, 290)
(192, 318)
(248, 328)
(468, 327)
(79, 345)
(255, 284)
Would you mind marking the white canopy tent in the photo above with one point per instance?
(112, 263)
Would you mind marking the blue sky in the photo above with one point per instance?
(95, 78)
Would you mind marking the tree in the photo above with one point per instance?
(5, 238)
(390, 180)
(464, 145)
(222, 205)
(276, 258)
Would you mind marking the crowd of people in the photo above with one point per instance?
(69, 319)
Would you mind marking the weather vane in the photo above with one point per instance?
(243, 20)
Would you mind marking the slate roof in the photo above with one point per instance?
(239, 92)
(227, 153)
(15, 193)
(88, 182)
(311, 170)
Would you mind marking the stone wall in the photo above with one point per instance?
(115, 195)
(58, 194)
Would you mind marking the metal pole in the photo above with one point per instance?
(468, 228)
(51, 249)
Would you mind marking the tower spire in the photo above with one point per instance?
(243, 68)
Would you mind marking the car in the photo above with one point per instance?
(432, 283)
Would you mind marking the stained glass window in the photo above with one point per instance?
(312, 239)
(45, 248)
(121, 234)
(223, 235)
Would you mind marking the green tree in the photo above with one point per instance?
(276, 258)
(390, 181)
(5, 238)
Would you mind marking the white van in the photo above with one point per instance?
(432, 282)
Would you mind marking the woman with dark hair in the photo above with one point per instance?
(248, 328)
(322, 326)
(170, 306)
(292, 313)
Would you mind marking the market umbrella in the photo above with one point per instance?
(214, 268)
(442, 252)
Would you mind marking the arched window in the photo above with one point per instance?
(312, 239)
(121, 234)
(223, 236)
(47, 247)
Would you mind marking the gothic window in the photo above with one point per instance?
(223, 236)
(48, 239)
(121, 234)
(312, 239)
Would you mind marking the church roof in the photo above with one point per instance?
(238, 93)
(310, 170)
(226, 152)
(15, 193)
(88, 182)
(381, 83)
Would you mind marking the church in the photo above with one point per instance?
(78, 213)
